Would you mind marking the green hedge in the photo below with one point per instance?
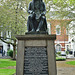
(60, 59)
(10, 53)
(67, 52)
(59, 53)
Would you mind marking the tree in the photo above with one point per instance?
(62, 9)
(12, 20)
(72, 29)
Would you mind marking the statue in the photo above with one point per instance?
(37, 20)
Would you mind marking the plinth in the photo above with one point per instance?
(36, 55)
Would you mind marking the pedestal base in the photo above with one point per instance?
(36, 55)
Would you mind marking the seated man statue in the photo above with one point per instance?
(37, 20)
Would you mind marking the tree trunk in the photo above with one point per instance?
(14, 50)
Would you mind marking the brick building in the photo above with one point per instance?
(59, 27)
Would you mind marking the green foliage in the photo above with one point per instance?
(67, 52)
(59, 53)
(10, 53)
(11, 18)
(70, 62)
(13, 13)
(56, 55)
(7, 71)
(60, 9)
(6, 63)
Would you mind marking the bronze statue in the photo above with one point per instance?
(37, 20)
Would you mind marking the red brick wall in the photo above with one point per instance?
(63, 36)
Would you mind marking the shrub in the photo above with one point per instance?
(59, 53)
(67, 52)
(60, 59)
(10, 53)
(56, 55)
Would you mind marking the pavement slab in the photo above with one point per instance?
(65, 69)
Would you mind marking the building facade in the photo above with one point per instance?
(4, 47)
(59, 28)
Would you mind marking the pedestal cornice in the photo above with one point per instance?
(36, 37)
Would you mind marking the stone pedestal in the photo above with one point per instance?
(36, 55)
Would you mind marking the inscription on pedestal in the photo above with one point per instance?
(35, 61)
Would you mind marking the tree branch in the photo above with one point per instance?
(3, 39)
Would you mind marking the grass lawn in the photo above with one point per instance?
(7, 71)
(5, 63)
(70, 62)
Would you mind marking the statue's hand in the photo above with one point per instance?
(33, 13)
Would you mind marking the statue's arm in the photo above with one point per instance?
(29, 9)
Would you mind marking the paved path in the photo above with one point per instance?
(5, 57)
(65, 69)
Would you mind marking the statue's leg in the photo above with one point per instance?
(40, 24)
(45, 24)
(30, 24)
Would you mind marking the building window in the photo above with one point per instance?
(8, 34)
(3, 34)
(58, 47)
(8, 46)
(67, 32)
(0, 49)
(68, 48)
(58, 30)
